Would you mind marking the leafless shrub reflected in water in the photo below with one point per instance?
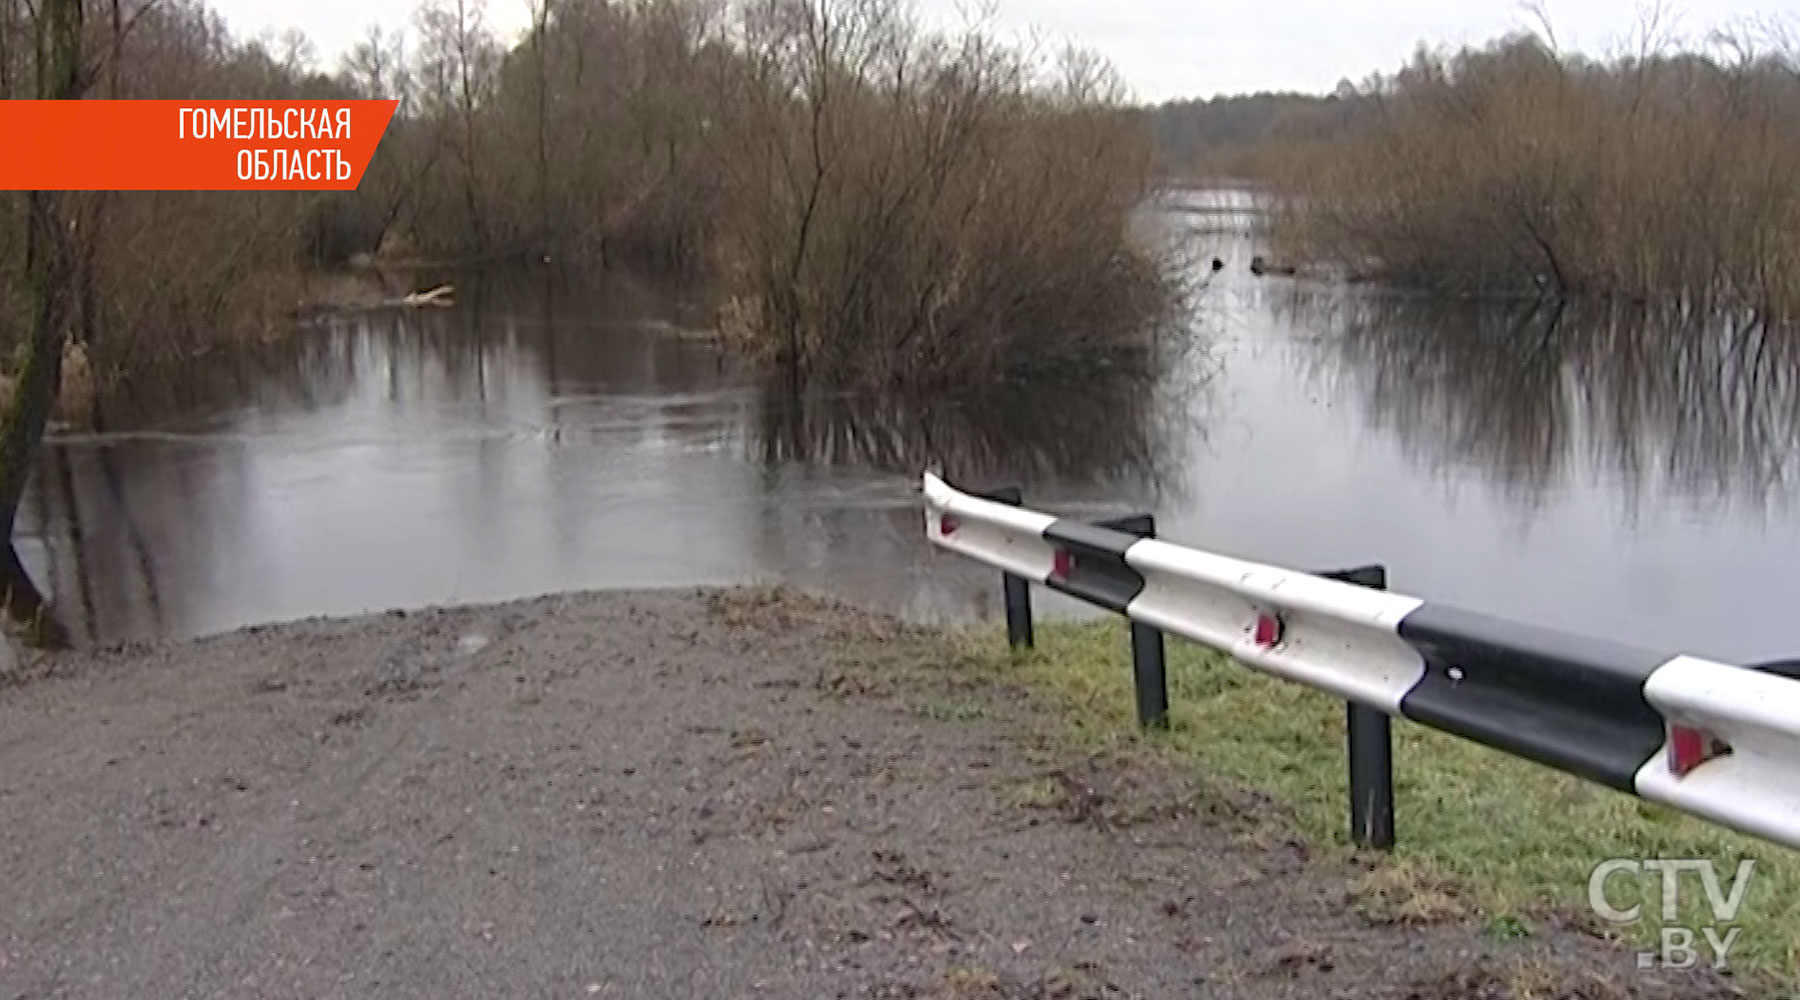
(1697, 408)
(1124, 432)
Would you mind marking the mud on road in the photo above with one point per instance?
(695, 795)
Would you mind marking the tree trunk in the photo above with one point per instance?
(6, 43)
(466, 47)
(51, 257)
(543, 114)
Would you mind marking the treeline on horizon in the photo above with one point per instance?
(874, 203)
(1240, 137)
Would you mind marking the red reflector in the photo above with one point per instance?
(1689, 748)
(948, 524)
(1268, 630)
(1063, 563)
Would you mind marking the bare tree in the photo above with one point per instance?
(50, 263)
(540, 62)
(370, 65)
(458, 63)
(472, 63)
(9, 28)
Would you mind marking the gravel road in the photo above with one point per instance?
(691, 795)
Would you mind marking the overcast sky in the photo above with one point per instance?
(1168, 48)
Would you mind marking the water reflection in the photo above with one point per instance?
(1664, 407)
(1116, 433)
(546, 434)
(1625, 475)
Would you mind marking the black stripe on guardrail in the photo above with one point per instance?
(1780, 668)
(1573, 703)
(1096, 569)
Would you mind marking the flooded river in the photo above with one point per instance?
(1619, 476)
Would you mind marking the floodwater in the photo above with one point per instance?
(1620, 475)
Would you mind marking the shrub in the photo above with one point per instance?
(919, 209)
(1517, 170)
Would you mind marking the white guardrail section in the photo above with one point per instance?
(994, 533)
(1346, 640)
(1334, 636)
(1755, 787)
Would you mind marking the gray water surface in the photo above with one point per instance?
(1610, 473)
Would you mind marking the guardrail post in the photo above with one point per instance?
(1148, 669)
(1371, 749)
(1016, 590)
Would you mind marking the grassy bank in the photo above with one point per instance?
(1482, 835)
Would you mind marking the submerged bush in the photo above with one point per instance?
(919, 209)
(876, 203)
(1519, 170)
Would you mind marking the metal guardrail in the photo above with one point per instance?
(1715, 740)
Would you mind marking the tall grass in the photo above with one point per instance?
(1516, 169)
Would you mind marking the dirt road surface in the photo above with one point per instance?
(688, 795)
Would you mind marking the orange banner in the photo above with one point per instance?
(189, 145)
